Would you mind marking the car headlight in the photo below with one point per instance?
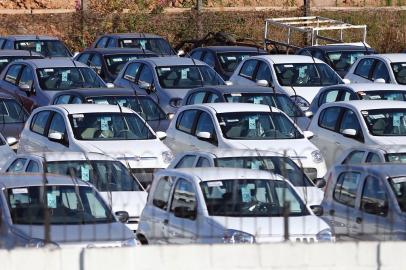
(175, 102)
(300, 101)
(325, 236)
(132, 242)
(39, 243)
(317, 156)
(238, 237)
(167, 156)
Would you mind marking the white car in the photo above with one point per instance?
(112, 130)
(255, 160)
(301, 77)
(226, 205)
(374, 154)
(243, 126)
(338, 126)
(116, 184)
(6, 152)
(385, 68)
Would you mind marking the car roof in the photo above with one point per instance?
(37, 179)
(360, 105)
(365, 87)
(222, 153)
(53, 63)
(65, 156)
(173, 61)
(341, 47)
(89, 108)
(389, 148)
(232, 107)
(286, 59)
(19, 53)
(92, 92)
(208, 174)
(131, 35)
(233, 49)
(226, 89)
(391, 57)
(31, 37)
(113, 51)
(384, 169)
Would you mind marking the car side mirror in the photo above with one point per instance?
(96, 69)
(110, 85)
(122, 216)
(204, 136)
(308, 134)
(181, 53)
(379, 80)
(55, 137)
(320, 182)
(263, 83)
(349, 132)
(376, 208)
(146, 86)
(228, 83)
(185, 212)
(308, 114)
(317, 210)
(161, 135)
(170, 116)
(26, 88)
(75, 54)
(346, 81)
(11, 141)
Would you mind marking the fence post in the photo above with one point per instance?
(199, 9)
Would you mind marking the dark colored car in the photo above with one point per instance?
(144, 105)
(339, 57)
(44, 45)
(12, 116)
(224, 59)
(8, 56)
(108, 62)
(34, 82)
(154, 43)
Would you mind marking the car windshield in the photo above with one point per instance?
(399, 70)
(63, 78)
(187, 76)
(103, 174)
(12, 112)
(109, 126)
(230, 60)
(48, 48)
(279, 165)
(398, 185)
(306, 75)
(257, 126)
(386, 122)
(157, 45)
(146, 107)
(280, 101)
(343, 60)
(251, 198)
(383, 95)
(66, 204)
(116, 62)
(395, 157)
(5, 60)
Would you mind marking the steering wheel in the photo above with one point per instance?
(268, 132)
(122, 133)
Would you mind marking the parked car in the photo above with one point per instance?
(255, 160)
(44, 45)
(339, 126)
(367, 202)
(154, 43)
(108, 62)
(374, 154)
(249, 94)
(35, 81)
(338, 56)
(386, 68)
(117, 186)
(8, 56)
(78, 216)
(144, 105)
(243, 126)
(115, 131)
(224, 59)
(356, 91)
(301, 77)
(6, 152)
(223, 205)
(167, 79)
(12, 116)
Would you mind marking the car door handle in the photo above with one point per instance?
(358, 220)
(331, 212)
(166, 222)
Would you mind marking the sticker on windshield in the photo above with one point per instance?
(104, 123)
(255, 165)
(183, 73)
(236, 95)
(49, 70)
(215, 184)
(396, 119)
(232, 120)
(122, 102)
(126, 41)
(302, 72)
(246, 194)
(3, 60)
(288, 66)
(166, 69)
(252, 123)
(143, 43)
(20, 190)
(78, 115)
(257, 100)
(102, 101)
(117, 59)
(231, 58)
(64, 76)
(51, 198)
(38, 47)
(85, 172)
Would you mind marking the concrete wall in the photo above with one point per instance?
(340, 256)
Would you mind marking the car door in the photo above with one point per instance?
(34, 138)
(129, 76)
(355, 157)
(146, 76)
(362, 72)
(180, 138)
(96, 63)
(246, 73)
(380, 71)
(57, 125)
(204, 124)
(183, 223)
(263, 72)
(33, 97)
(9, 83)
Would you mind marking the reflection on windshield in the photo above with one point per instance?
(251, 198)
(12, 112)
(65, 205)
(257, 126)
(157, 45)
(386, 122)
(48, 48)
(115, 63)
(230, 60)
(343, 60)
(383, 95)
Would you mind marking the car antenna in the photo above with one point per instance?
(198, 70)
(366, 47)
(315, 65)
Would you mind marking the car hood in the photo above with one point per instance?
(388, 140)
(131, 201)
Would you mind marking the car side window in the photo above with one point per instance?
(328, 118)
(373, 158)
(248, 69)
(84, 58)
(196, 54)
(196, 98)
(350, 121)
(9, 45)
(102, 42)
(161, 194)
(186, 162)
(184, 196)
(346, 95)
(203, 162)
(39, 122)
(146, 75)
(374, 200)
(345, 191)
(57, 125)
(186, 120)
(76, 100)
(209, 59)
(355, 157)
(213, 98)
(27, 77)
(381, 71)
(131, 71)
(2, 41)
(329, 96)
(63, 99)
(205, 124)
(364, 68)
(17, 165)
(111, 43)
(264, 72)
(12, 74)
(32, 167)
(96, 61)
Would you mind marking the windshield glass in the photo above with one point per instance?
(109, 126)
(5, 60)
(257, 126)
(399, 70)
(115, 63)
(343, 60)
(282, 102)
(279, 165)
(395, 157)
(383, 94)
(386, 122)
(187, 76)
(144, 106)
(12, 112)
(65, 205)
(398, 185)
(48, 48)
(306, 74)
(251, 198)
(104, 175)
(230, 60)
(63, 78)
(156, 45)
